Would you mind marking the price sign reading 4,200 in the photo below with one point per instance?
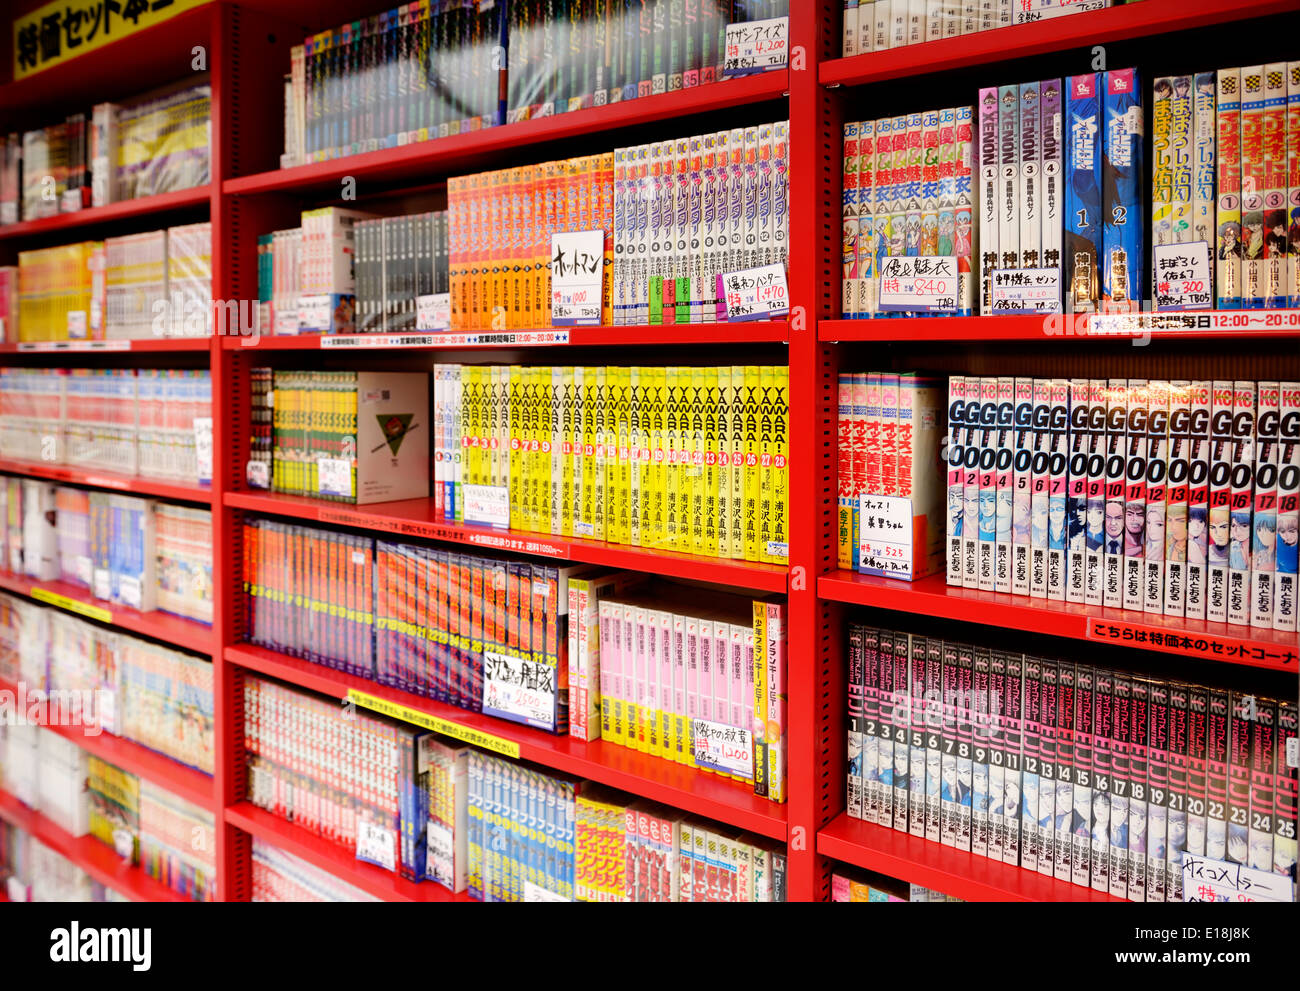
(755, 46)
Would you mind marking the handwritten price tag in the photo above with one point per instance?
(1183, 277)
(433, 312)
(577, 277)
(756, 293)
(488, 504)
(203, 447)
(377, 844)
(885, 537)
(1027, 290)
(756, 46)
(536, 893)
(519, 688)
(1206, 880)
(334, 477)
(919, 285)
(723, 748)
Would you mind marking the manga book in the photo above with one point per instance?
(1022, 484)
(1139, 791)
(1264, 522)
(1157, 473)
(1135, 504)
(1047, 766)
(1080, 824)
(1158, 806)
(1114, 508)
(1063, 811)
(1285, 605)
(981, 839)
(1263, 743)
(1076, 503)
(1240, 502)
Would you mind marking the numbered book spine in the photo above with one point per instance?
(1080, 817)
(1276, 216)
(1204, 126)
(1058, 524)
(1040, 488)
(1228, 178)
(1122, 226)
(1162, 165)
(1103, 725)
(1244, 445)
(933, 702)
(856, 690)
(849, 215)
(1178, 797)
(990, 170)
(846, 539)
(865, 238)
(972, 449)
(1264, 525)
(1011, 180)
(1198, 728)
(1285, 604)
(1263, 747)
(1135, 505)
(916, 737)
(1048, 767)
(982, 841)
(988, 484)
(1033, 750)
(1083, 204)
(1217, 755)
(1253, 282)
(1242, 710)
(1024, 437)
(1063, 807)
(885, 728)
(1156, 487)
(1051, 177)
(1011, 733)
(1177, 533)
(964, 207)
(1113, 490)
(1076, 505)
(1095, 494)
(1120, 786)
(1139, 793)
(1293, 182)
(1220, 498)
(1030, 184)
(948, 797)
(901, 728)
(1005, 453)
(1284, 790)
(1181, 152)
(870, 724)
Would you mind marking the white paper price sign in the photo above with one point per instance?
(203, 447)
(441, 849)
(1206, 880)
(314, 312)
(919, 285)
(723, 748)
(78, 324)
(258, 474)
(334, 477)
(519, 688)
(1026, 290)
(1182, 274)
(536, 893)
(376, 844)
(433, 312)
(756, 293)
(577, 277)
(885, 537)
(756, 46)
(488, 504)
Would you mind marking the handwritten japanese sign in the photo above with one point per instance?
(755, 293)
(756, 46)
(433, 312)
(334, 477)
(885, 537)
(723, 748)
(1183, 277)
(487, 504)
(519, 688)
(1027, 290)
(64, 29)
(577, 277)
(1206, 880)
(919, 285)
(377, 844)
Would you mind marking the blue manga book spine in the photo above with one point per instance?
(1083, 220)
(1122, 233)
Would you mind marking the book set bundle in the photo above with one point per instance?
(279, 876)
(133, 421)
(154, 145)
(701, 684)
(878, 25)
(432, 69)
(1164, 497)
(849, 884)
(132, 688)
(690, 459)
(32, 872)
(1098, 777)
(127, 550)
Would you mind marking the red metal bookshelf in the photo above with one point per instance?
(1057, 330)
(964, 875)
(96, 479)
(150, 345)
(97, 859)
(650, 777)
(146, 206)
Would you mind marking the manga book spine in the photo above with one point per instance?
(1176, 820)
(1083, 191)
(1198, 799)
(1228, 179)
(1022, 484)
(1032, 750)
(1156, 487)
(1011, 180)
(1181, 150)
(1264, 525)
(986, 507)
(1217, 750)
(849, 36)
(1162, 164)
(1040, 487)
(1139, 816)
(1080, 818)
(1285, 605)
(1030, 177)
(871, 792)
(1047, 767)
(866, 239)
(844, 473)
(982, 841)
(1241, 502)
(1275, 200)
(1120, 787)
(994, 743)
(1058, 521)
(1203, 164)
(948, 798)
(1219, 499)
(1242, 711)
(1004, 453)
(1122, 228)
(1103, 725)
(933, 737)
(964, 207)
(1094, 489)
(956, 476)
(900, 703)
(885, 727)
(990, 170)
(1114, 490)
(1253, 279)
(1263, 745)
(1284, 791)
(849, 219)
(1177, 534)
(929, 184)
(1012, 735)
(1063, 807)
(1135, 505)
(916, 736)
(856, 694)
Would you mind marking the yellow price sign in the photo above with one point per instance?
(407, 715)
(72, 605)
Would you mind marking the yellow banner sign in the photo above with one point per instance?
(72, 605)
(463, 733)
(64, 29)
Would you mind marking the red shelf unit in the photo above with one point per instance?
(686, 788)
(97, 859)
(415, 518)
(148, 345)
(333, 858)
(95, 479)
(1056, 330)
(1056, 35)
(160, 625)
(181, 199)
(460, 150)
(964, 875)
(759, 331)
(932, 596)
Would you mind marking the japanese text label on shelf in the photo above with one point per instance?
(577, 277)
(466, 734)
(520, 687)
(1240, 650)
(1207, 880)
(376, 844)
(433, 312)
(488, 504)
(1027, 290)
(334, 477)
(885, 538)
(1182, 273)
(756, 293)
(723, 748)
(919, 285)
(756, 46)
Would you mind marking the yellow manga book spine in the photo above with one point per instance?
(767, 384)
(779, 551)
(552, 431)
(736, 537)
(590, 417)
(625, 443)
(635, 494)
(534, 472)
(577, 458)
(492, 376)
(672, 415)
(515, 452)
(699, 395)
(614, 426)
(759, 727)
(594, 484)
(753, 402)
(712, 409)
(722, 523)
(478, 453)
(652, 530)
(569, 441)
(686, 474)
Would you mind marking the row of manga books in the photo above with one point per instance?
(1097, 777)
(135, 689)
(279, 876)
(398, 260)
(1175, 497)
(32, 872)
(850, 884)
(434, 68)
(132, 421)
(878, 25)
(686, 459)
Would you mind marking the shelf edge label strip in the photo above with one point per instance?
(463, 733)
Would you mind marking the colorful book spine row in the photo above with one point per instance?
(879, 25)
(1096, 777)
(178, 843)
(854, 885)
(1165, 497)
(278, 876)
(398, 260)
(686, 459)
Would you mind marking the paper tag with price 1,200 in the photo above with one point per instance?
(755, 293)
(919, 285)
(885, 537)
(1182, 277)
